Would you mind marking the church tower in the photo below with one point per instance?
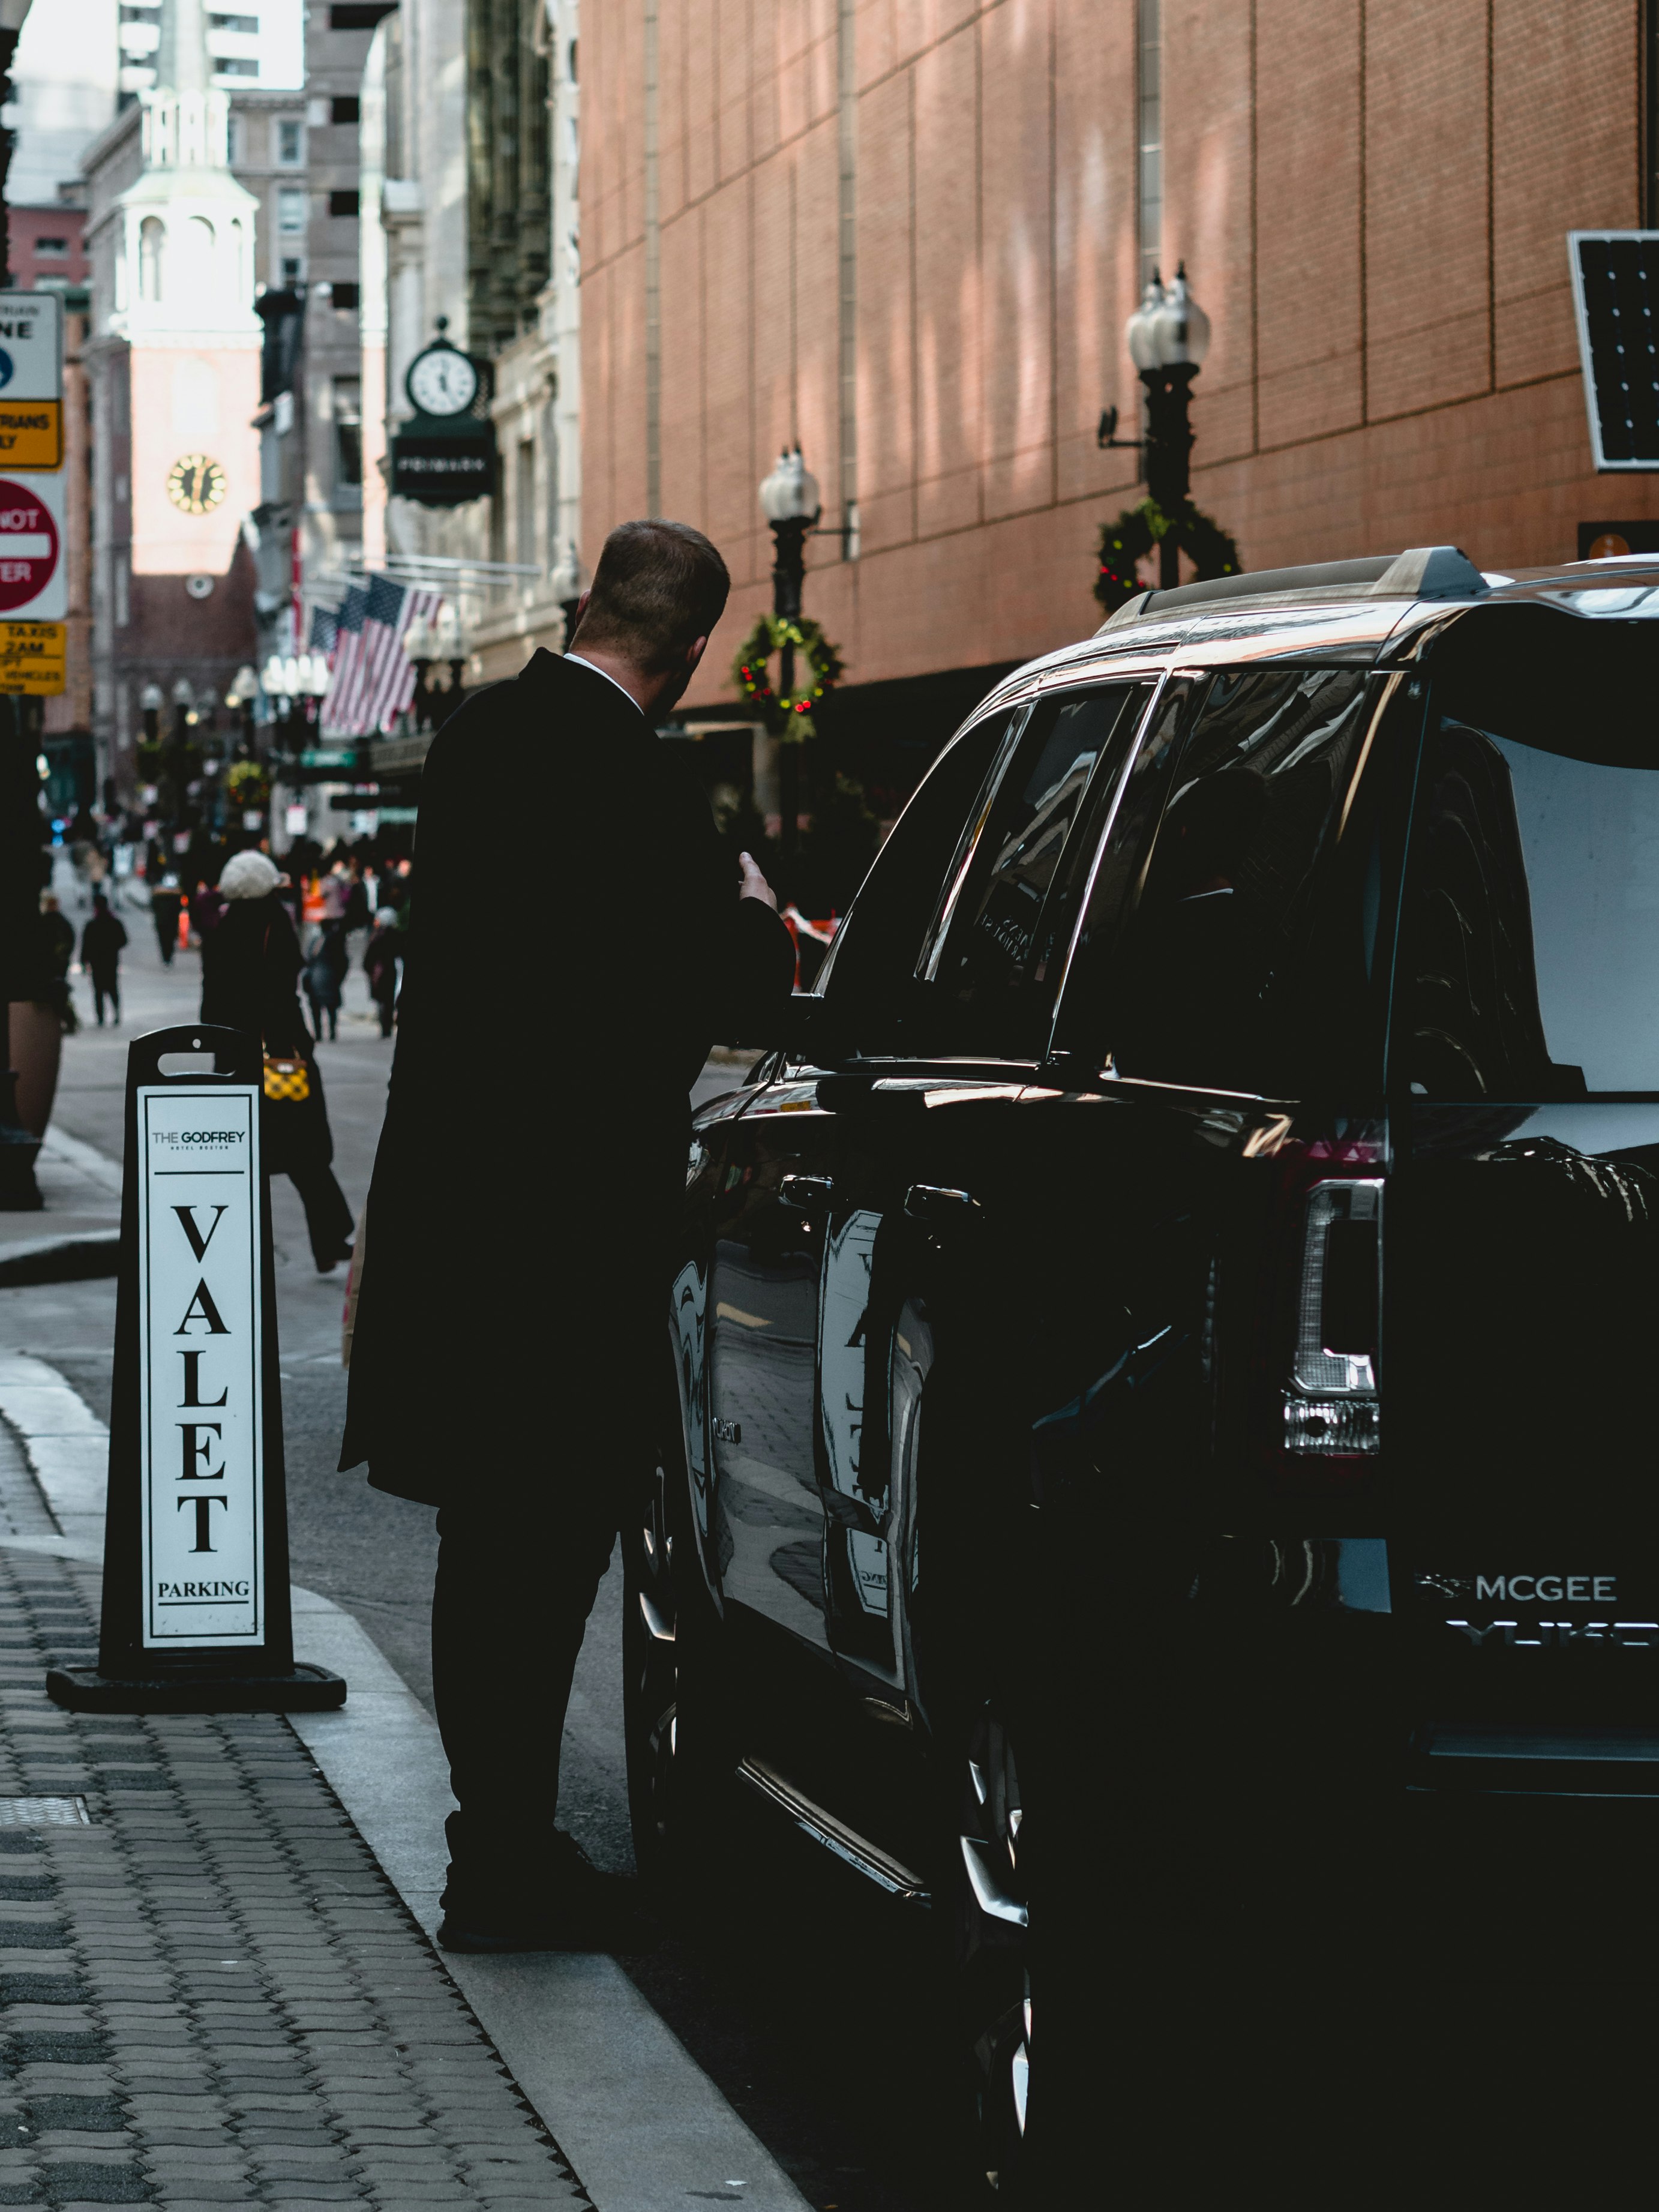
(178, 354)
(184, 292)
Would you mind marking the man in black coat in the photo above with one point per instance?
(512, 1341)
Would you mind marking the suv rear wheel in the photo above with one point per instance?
(988, 1928)
(676, 1769)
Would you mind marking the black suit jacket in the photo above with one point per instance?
(527, 1184)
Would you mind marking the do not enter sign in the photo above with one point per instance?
(28, 544)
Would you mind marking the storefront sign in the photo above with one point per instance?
(443, 470)
(201, 1429)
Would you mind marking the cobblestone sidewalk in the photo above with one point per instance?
(210, 1994)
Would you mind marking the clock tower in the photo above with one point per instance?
(177, 360)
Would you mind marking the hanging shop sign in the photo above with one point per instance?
(446, 454)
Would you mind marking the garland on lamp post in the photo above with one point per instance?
(1127, 542)
(787, 715)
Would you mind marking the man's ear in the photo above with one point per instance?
(694, 652)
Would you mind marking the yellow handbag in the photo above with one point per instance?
(286, 1079)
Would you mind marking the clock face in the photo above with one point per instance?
(442, 381)
(196, 484)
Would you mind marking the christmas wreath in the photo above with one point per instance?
(1127, 542)
(789, 715)
(248, 786)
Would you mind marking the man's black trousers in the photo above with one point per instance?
(515, 1585)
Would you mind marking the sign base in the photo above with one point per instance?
(306, 1690)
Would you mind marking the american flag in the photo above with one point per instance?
(324, 630)
(349, 639)
(374, 678)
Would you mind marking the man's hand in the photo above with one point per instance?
(754, 885)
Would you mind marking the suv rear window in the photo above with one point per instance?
(1212, 988)
(1529, 952)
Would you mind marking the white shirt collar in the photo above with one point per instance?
(582, 661)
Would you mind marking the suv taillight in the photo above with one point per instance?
(1331, 1405)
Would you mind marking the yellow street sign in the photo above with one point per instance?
(31, 433)
(33, 656)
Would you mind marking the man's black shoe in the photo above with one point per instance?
(579, 1910)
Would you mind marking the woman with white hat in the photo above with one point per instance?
(249, 980)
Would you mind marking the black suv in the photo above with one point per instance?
(1219, 1149)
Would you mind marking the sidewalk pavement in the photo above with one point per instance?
(216, 1987)
(212, 1994)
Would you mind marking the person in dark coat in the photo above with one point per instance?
(512, 1349)
(165, 901)
(101, 941)
(384, 950)
(57, 950)
(249, 977)
(324, 977)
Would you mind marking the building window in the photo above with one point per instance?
(233, 140)
(52, 249)
(152, 239)
(1151, 134)
(343, 203)
(358, 15)
(290, 145)
(346, 297)
(234, 65)
(523, 502)
(348, 433)
(290, 210)
(248, 25)
(345, 107)
(293, 269)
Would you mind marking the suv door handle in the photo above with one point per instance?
(803, 1191)
(941, 1207)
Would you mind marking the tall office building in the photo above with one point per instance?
(263, 47)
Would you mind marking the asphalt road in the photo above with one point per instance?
(799, 1980)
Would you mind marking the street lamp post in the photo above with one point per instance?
(1168, 336)
(789, 501)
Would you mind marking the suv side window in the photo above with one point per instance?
(1260, 790)
(992, 964)
(869, 973)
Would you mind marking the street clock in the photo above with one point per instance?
(443, 380)
(196, 484)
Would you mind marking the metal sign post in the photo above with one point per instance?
(195, 1615)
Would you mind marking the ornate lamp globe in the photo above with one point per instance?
(1140, 331)
(790, 493)
(1180, 329)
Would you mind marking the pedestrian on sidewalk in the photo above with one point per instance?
(508, 1362)
(250, 982)
(382, 955)
(100, 955)
(57, 950)
(324, 978)
(165, 901)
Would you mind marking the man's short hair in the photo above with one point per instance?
(658, 586)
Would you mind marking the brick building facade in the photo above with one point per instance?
(910, 231)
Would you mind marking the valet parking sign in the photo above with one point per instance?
(33, 577)
(201, 1488)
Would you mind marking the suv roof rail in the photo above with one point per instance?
(1424, 572)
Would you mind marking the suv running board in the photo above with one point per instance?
(865, 1858)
